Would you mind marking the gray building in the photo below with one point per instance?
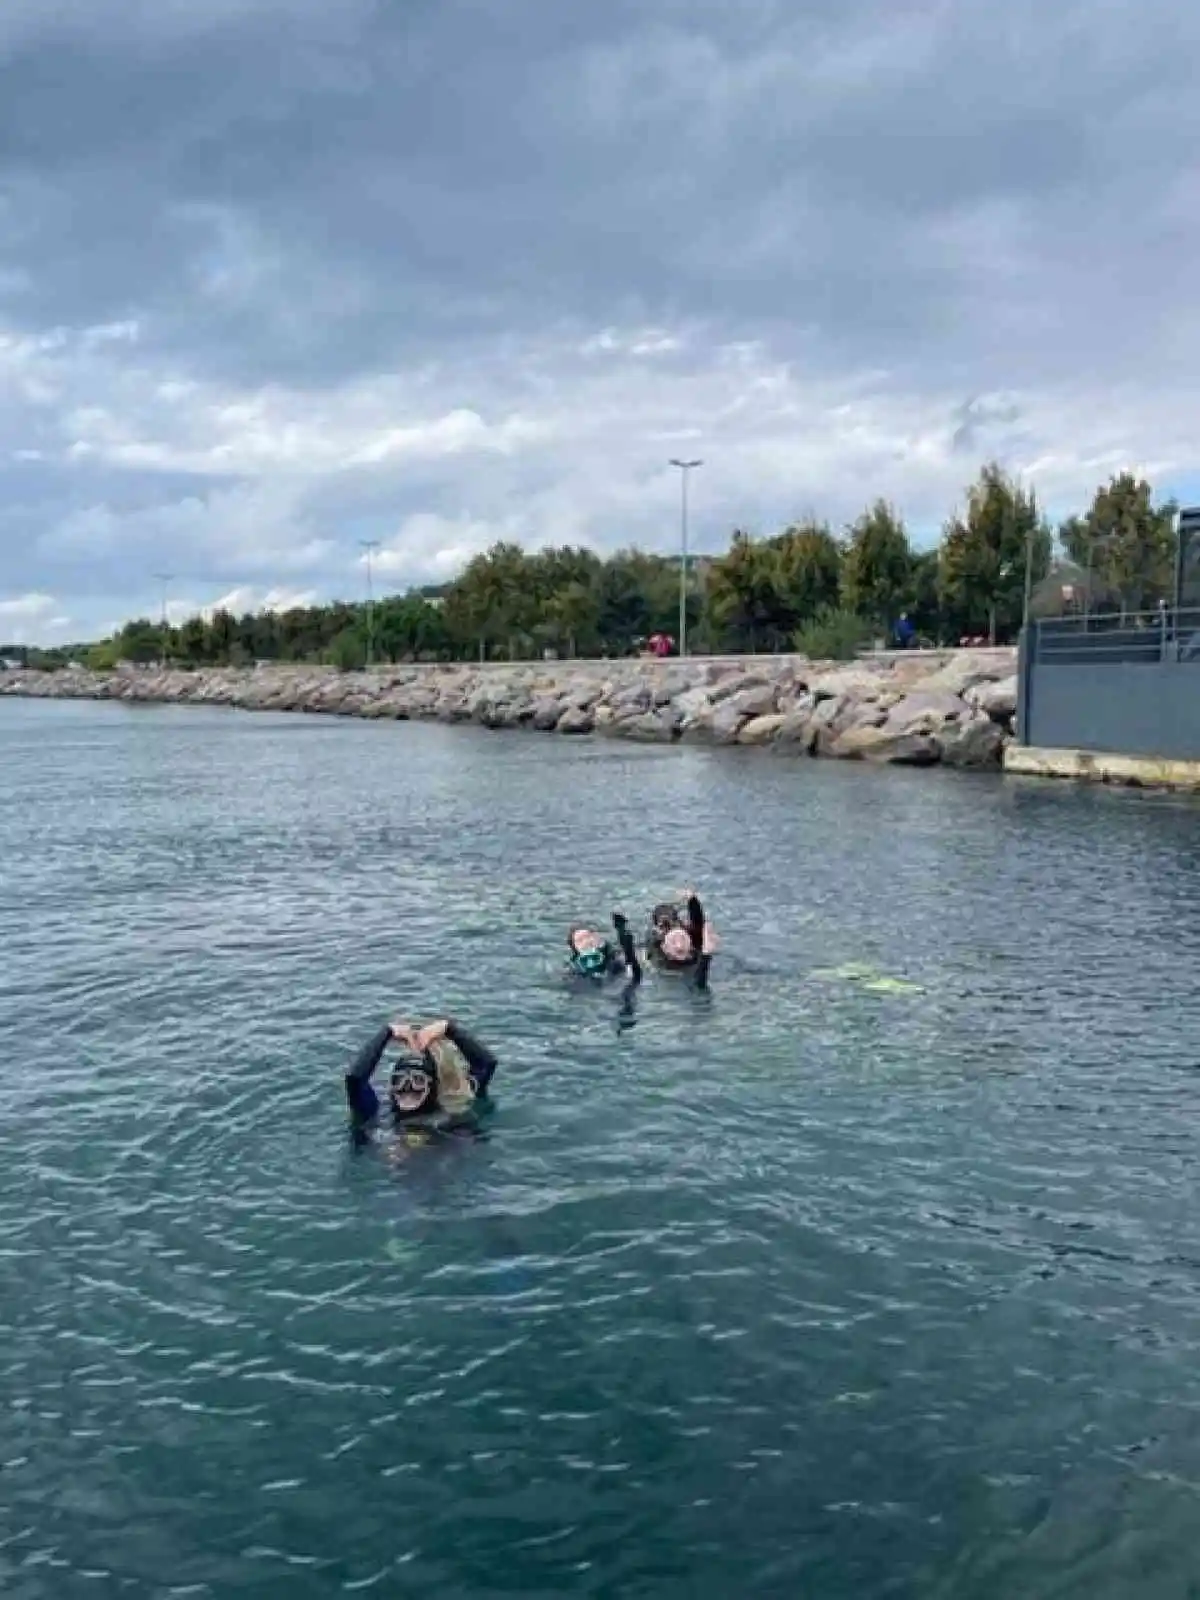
(1119, 683)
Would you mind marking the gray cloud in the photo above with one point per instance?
(277, 275)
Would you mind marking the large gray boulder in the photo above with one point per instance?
(856, 683)
(692, 703)
(583, 695)
(925, 711)
(761, 730)
(649, 727)
(832, 718)
(479, 700)
(796, 734)
(885, 745)
(738, 683)
(726, 723)
(976, 742)
(575, 719)
(665, 689)
(451, 708)
(507, 713)
(967, 669)
(759, 701)
(996, 700)
(547, 710)
(631, 697)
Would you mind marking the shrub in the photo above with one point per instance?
(833, 634)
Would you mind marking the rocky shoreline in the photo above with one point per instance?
(919, 709)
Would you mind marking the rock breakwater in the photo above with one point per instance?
(916, 709)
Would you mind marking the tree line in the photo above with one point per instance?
(806, 588)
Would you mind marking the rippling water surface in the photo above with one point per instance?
(804, 1289)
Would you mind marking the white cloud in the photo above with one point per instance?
(32, 619)
(247, 598)
(255, 316)
(27, 607)
(586, 461)
(429, 548)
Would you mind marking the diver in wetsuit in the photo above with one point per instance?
(443, 1069)
(681, 943)
(593, 962)
(593, 957)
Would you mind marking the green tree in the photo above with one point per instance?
(922, 597)
(806, 577)
(348, 649)
(742, 586)
(571, 617)
(623, 609)
(567, 602)
(981, 568)
(877, 568)
(493, 601)
(222, 631)
(408, 627)
(1124, 544)
(104, 656)
(194, 641)
(833, 634)
(140, 641)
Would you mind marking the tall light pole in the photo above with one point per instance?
(164, 578)
(370, 545)
(684, 468)
(1028, 601)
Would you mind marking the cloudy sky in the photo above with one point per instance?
(277, 276)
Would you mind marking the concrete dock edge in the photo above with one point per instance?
(1094, 766)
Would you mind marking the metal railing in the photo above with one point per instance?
(1102, 638)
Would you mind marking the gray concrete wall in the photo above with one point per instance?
(1127, 708)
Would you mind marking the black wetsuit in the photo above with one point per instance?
(699, 961)
(362, 1098)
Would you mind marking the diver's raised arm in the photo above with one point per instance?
(481, 1061)
(360, 1096)
(628, 949)
(695, 917)
(479, 1058)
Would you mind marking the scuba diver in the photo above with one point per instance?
(681, 940)
(593, 961)
(443, 1069)
(590, 955)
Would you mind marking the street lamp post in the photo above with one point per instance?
(370, 545)
(1029, 531)
(684, 468)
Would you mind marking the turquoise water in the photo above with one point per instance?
(803, 1289)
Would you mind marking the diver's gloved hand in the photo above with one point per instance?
(619, 922)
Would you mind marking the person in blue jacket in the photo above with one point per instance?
(442, 1068)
